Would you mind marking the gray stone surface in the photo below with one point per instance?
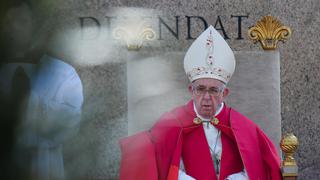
(156, 84)
(300, 83)
(299, 57)
(255, 90)
(94, 152)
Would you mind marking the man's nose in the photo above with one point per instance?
(206, 95)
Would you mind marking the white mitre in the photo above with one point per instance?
(209, 56)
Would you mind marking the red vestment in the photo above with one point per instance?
(155, 154)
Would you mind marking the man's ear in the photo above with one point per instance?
(190, 88)
(225, 93)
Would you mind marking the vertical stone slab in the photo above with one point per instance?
(156, 84)
(255, 90)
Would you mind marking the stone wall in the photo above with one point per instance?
(101, 61)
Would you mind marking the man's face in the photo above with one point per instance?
(207, 94)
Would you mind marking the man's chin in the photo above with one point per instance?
(207, 109)
(207, 113)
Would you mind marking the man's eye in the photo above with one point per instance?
(214, 90)
(201, 89)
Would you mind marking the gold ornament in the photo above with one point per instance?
(268, 31)
(289, 144)
(134, 36)
(215, 121)
(197, 121)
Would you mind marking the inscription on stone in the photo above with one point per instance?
(172, 25)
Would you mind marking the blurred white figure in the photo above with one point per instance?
(53, 115)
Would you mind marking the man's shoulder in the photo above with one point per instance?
(179, 115)
(172, 118)
(237, 117)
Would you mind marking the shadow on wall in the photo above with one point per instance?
(42, 112)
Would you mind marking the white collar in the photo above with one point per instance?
(217, 111)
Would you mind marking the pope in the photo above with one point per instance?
(205, 138)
